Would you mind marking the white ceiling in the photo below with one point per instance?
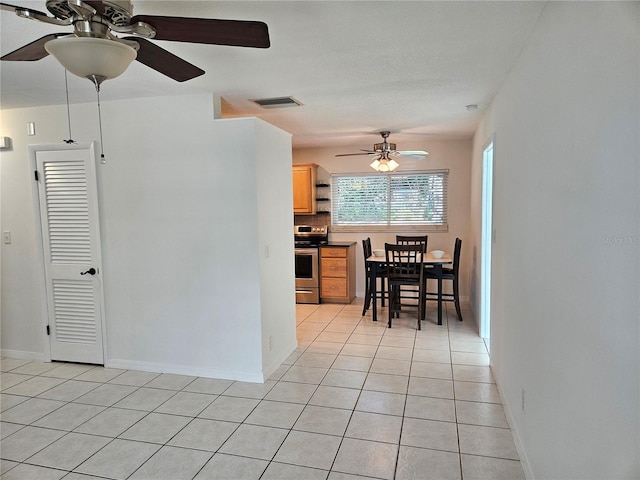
(358, 67)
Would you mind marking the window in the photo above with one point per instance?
(390, 202)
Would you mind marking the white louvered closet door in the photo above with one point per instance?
(71, 244)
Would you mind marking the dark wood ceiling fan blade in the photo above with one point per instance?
(164, 61)
(32, 51)
(238, 33)
(97, 4)
(13, 8)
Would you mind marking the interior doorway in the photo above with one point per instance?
(487, 243)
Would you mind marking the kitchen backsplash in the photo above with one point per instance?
(318, 219)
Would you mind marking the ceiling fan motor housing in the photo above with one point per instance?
(118, 12)
(384, 147)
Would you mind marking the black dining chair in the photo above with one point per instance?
(405, 269)
(411, 239)
(408, 293)
(381, 273)
(452, 274)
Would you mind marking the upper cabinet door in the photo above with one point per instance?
(304, 188)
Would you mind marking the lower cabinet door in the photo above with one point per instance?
(333, 267)
(333, 287)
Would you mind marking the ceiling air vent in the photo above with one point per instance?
(277, 102)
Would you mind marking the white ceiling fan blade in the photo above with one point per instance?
(416, 154)
(412, 152)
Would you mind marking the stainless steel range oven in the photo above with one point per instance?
(307, 239)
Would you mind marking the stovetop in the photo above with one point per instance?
(310, 243)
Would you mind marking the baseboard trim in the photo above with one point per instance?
(24, 355)
(279, 359)
(524, 460)
(195, 371)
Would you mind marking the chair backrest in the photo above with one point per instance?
(456, 256)
(366, 247)
(404, 262)
(412, 240)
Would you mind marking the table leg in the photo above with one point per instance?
(374, 290)
(438, 269)
(367, 291)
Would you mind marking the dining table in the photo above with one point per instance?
(428, 259)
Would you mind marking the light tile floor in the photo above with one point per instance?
(355, 400)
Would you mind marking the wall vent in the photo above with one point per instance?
(277, 102)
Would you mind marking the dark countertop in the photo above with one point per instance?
(339, 244)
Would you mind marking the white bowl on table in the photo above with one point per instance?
(378, 252)
(437, 254)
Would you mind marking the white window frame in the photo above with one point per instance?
(390, 227)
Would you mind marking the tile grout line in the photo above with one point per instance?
(455, 404)
(299, 415)
(335, 456)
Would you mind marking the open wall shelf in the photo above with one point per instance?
(324, 200)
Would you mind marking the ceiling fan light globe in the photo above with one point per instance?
(89, 57)
(392, 165)
(384, 166)
(375, 164)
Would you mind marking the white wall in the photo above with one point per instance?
(22, 312)
(275, 243)
(454, 154)
(180, 208)
(565, 317)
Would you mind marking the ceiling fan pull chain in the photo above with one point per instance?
(102, 159)
(66, 87)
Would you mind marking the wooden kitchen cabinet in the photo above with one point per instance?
(338, 273)
(304, 188)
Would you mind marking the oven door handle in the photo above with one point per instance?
(306, 251)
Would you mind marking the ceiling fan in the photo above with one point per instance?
(93, 50)
(384, 152)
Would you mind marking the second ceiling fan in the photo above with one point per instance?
(384, 153)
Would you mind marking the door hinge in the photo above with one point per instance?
(36, 175)
(48, 332)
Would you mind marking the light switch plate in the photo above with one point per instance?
(6, 236)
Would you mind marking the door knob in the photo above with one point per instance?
(91, 271)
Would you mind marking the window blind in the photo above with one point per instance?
(407, 199)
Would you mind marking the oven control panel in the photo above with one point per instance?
(310, 230)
